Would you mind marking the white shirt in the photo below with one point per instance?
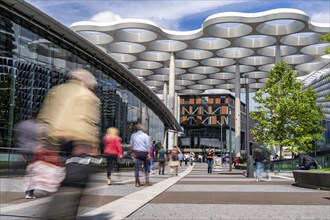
(140, 141)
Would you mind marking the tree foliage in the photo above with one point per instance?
(287, 116)
(326, 38)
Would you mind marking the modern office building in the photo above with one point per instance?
(320, 82)
(208, 120)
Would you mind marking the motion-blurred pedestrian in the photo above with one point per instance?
(174, 160)
(140, 142)
(44, 171)
(260, 155)
(210, 160)
(180, 157)
(152, 154)
(192, 158)
(113, 150)
(161, 160)
(73, 111)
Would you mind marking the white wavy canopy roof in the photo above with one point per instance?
(206, 58)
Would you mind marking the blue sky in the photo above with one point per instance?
(171, 14)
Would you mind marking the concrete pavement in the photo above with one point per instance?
(193, 194)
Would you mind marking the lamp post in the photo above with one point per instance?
(249, 157)
(221, 143)
(230, 144)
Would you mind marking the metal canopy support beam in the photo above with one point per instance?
(237, 111)
(277, 53)
(165, 94)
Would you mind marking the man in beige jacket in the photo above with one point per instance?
(73, 112)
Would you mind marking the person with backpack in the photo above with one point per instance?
(306, 162)
(161, 160)
(210, 160)
(260, 156)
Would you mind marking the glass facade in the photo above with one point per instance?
(30, 65)
(322, 86)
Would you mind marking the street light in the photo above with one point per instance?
(249, 157)
(221, 143)
(230, 147)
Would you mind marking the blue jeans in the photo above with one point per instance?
(259, 169)
(209, 166)
(151, 165)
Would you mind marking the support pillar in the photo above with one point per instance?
(176, 117)
(171, 98)
(237, 111)
(171, 84)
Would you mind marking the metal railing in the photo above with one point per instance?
(13, 162)
(288, 165)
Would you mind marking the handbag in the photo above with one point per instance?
(45, 176)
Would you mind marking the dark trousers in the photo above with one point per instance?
(65, 202)
(141, 158)
(209, 166)
(161, 167)
(111, 160)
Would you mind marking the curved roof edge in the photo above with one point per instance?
(55, 30)
(224, 17)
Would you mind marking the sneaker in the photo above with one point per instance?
(30, 197)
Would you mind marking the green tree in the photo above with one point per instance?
(288, 116)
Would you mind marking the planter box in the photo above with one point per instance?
(312, 179)
(240, 167)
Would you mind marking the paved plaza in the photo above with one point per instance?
(193, 194)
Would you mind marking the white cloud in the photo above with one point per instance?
(321, 17)
(106, 16)
(171, 10)
(163, 13)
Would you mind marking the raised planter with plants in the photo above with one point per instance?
(316, 179)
